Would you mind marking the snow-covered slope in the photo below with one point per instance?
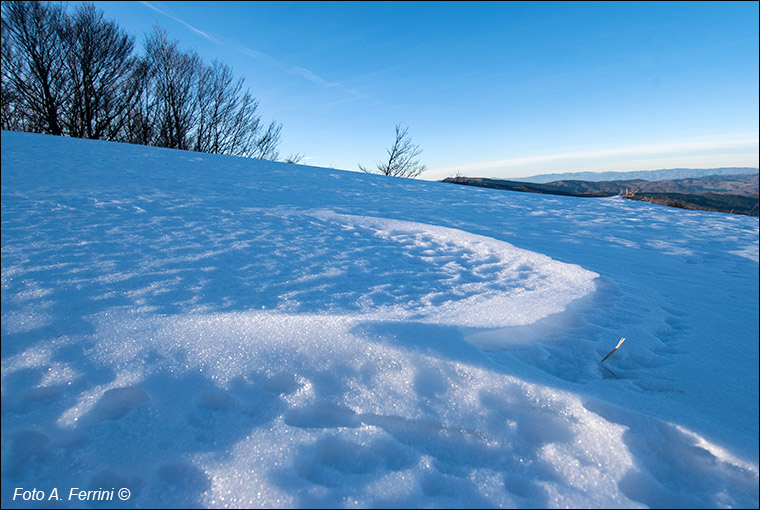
(213, 331)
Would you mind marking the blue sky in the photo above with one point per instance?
(490, 89)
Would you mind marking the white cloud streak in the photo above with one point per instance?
(293, 70)
(305, 73)
(694, 146)
(175, 18)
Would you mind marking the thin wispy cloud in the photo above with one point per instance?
(178, 20)
(293, 70)
(305, 73)
(695, 146)
(258, 55)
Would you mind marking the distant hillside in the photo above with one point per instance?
(718, 202)
(732, 194)
(745, 185)
(648, 175)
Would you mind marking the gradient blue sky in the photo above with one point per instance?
(490, 89)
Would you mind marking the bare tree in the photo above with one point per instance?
(401, 157)
(216, 97)
(294, 158)
(175, 75)
(33, 71)
(99, 62)
(142, 113)
(10, 116)
(458, 177)
(265, 146)
(228, 119)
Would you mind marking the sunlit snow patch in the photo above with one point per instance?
(452, 277)
(437, 275)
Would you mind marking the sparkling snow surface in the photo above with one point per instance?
(222, 332)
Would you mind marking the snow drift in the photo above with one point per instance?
(222, 332)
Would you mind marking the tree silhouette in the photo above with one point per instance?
(401, 157)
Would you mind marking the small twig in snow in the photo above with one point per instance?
(615, 349)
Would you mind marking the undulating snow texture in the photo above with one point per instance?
(223, 332)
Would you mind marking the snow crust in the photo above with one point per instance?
(221, 332)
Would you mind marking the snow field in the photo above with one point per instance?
(221, 332)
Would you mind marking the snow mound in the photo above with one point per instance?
(416, 271)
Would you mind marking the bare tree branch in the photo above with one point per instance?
(401, 157)
(98, 64)
(33, 64)
(294, 158)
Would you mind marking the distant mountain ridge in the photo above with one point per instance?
(731, 193)
(647, 175)
(745, 185)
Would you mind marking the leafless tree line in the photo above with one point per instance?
(78, 75)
